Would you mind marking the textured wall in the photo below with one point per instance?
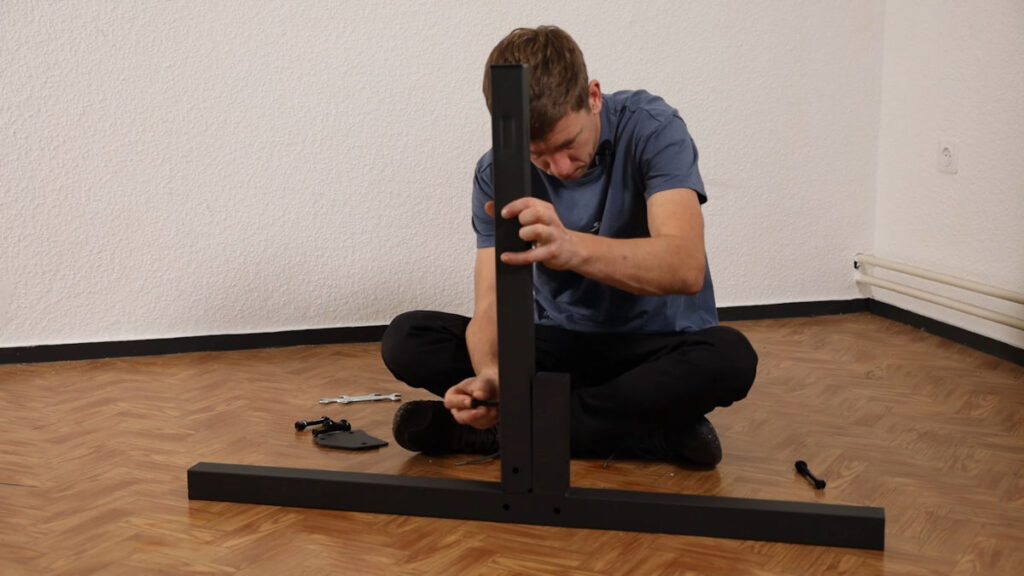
(954, 70)
(184, 168)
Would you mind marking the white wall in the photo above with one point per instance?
(173, 168)
(953, 70)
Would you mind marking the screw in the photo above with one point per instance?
(303, 424)
(332, 426)
(802, 468)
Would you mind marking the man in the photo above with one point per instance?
(623, 294)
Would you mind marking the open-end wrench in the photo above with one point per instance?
(366, 398)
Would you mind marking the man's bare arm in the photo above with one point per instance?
(671, 261)
(482, 332)
(482, 343)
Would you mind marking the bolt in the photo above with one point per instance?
(802, 468)
(303, 424)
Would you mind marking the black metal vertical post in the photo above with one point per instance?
(551, 433)
(510, 128)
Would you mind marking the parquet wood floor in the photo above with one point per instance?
(94, 455)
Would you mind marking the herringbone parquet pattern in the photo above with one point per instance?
(92, 466)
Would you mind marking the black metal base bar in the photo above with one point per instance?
(771, 520)
(548, 500)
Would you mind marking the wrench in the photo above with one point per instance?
(367, 398)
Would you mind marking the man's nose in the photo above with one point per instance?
(560, 166)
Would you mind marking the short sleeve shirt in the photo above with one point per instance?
(645, 148)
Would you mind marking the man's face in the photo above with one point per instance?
(567, 151)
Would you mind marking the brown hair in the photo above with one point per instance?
(558, 74)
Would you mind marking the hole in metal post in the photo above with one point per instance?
(505, 507)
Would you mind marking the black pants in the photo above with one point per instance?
(623, 385)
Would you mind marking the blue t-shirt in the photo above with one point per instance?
(644, 149)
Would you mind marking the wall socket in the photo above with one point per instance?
(947, 162)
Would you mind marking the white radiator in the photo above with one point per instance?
(862, 260)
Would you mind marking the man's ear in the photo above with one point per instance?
(594, 96)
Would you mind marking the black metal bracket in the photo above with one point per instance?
(534, 487)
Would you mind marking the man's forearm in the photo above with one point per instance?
(482, 341)
(660, 265)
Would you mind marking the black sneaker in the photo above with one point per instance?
(427, 426)
(695, 443)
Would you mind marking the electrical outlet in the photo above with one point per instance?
(947, 162)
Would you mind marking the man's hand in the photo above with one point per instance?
(670, 261)
(459, 399)
(553, 244)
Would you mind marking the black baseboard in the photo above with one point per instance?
(792, 310)
(216, 343)
(959, 335)
(160, 346)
